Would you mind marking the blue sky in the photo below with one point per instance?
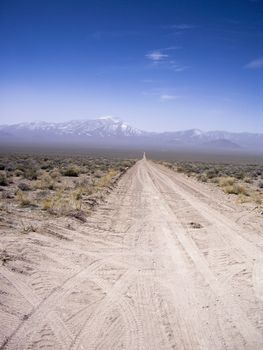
(159, 65)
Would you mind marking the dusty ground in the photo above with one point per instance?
(165, 263)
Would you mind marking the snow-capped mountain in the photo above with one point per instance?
(101, 127)
(108, 130)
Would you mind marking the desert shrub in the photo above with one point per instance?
(226, 181)
(248, 180)
(180, 169)
(77, 195)
(10, 167)
(23, 186)
(254, 174)
(235, 189)
(202, 177)
(18, 172)
(47, 204)
(89, 190)
(3, 180)
(7, 195)
(46, 166)
(260, 184)
(30, 174)
(239, 175)
(54, 174)
(98, 174)
(211, 173)
(72, 171)
(23, 199)
(2, 167)
(55, 202)
(243, 198)
(258, 198)
(45, 182)
(106, 179)
(76, 198)
(215, 180)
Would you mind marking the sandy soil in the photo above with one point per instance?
(164, 263)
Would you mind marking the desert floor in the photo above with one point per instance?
(164, 263)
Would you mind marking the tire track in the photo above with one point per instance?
(21, 333)
(89, 334)
(247, 329)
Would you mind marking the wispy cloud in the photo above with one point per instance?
(171, 48)
(163, 60)
(162, 94)
(181, 68)
(166, 97)
(156, 56)
(182, 26)
(255, 64)
(175, 66)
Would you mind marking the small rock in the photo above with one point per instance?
(195, 225)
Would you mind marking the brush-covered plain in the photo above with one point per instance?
(57, 185)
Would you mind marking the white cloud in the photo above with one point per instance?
(170, 48)
(169, 97)
(181, 68)
(156, 56)
(255, 64)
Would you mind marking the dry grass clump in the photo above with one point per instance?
(226, 181)
(28, 228)
(55, 174)
(105, 180)
(59, 203)
(258, 198)
(54, 202)
(24, 199)
(45, 181)
(235, 189)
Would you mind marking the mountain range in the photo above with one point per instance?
(111, 131)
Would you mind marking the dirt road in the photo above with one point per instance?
(163, 264)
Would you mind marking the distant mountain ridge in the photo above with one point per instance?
(101, 127)
(111, 130)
